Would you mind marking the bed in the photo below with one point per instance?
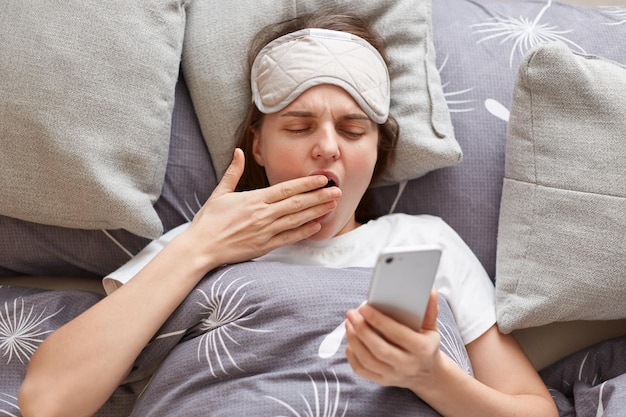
(513, 132)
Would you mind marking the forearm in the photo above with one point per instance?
(78, 367)
(452, 392)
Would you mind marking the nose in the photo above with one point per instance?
(326, 144)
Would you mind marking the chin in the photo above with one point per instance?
(330, 230)
(321, 235)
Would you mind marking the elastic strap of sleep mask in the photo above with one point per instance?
(293, 63)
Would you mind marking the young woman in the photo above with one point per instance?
(309, 127)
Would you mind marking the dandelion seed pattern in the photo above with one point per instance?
(224, 311)
(322, 401)
(188, 212)
(525, 33)
(455, 104)
(600, 411)
(9, 401)
(618, 12)
(497, 109)
(584, 377)
(21, 330)
(453, 347)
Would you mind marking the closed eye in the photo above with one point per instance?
(353, 135)
(297, 131)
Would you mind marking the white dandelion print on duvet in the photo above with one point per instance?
(323, 400)
(223, 311)
(583, 377)
(21, 330)
(454, 99)
(453, 347)
(619, 13)
(8, 406)
(524, 32)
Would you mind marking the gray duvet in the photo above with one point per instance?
(266, 339)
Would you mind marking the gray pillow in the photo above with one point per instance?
(214, 63)
(28, 248)
(561, 245)
(85, 111)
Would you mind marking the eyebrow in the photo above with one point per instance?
(299, 113)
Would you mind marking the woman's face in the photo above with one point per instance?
(323, 131)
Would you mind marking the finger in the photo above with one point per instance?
(233, 173)
(293, 235)
(432, 311)
(283, 220)
(304, 207)
(358, 353)
(394, 333)
(290, 188)
(287, 216)
(359, 369)
(375, 352)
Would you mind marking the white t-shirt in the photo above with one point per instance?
(461, 278)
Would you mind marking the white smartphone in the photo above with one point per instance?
(402, 282)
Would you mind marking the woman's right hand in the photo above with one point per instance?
(237, 226)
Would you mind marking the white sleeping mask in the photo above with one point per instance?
(293, 63)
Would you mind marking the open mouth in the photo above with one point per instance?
(331, 183)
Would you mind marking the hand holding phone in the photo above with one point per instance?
(402, 282)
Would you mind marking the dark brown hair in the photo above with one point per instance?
(254, 175)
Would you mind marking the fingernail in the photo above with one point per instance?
(365, 311)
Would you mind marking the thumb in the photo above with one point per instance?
(432, 311)
(233, 173)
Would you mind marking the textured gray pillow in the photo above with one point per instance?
(38, 249)
(85, 111)
(214, 63)
(561, 245)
